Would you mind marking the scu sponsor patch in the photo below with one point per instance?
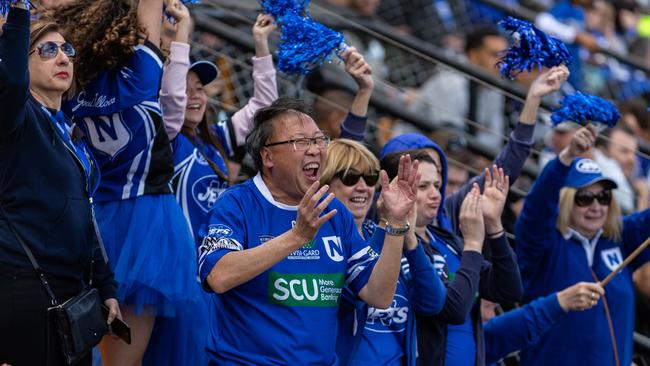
(305, 289)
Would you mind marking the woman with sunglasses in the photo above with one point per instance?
(368, 335)
(571, 230)
(48, 178)
(116, 103)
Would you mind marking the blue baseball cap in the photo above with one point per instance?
(585, 172)
(205, 70)
(407, 141)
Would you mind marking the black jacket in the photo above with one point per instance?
(44, 190)
(497, 281)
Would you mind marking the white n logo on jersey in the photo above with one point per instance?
(333, 248)
(612, 258)
(108, 134)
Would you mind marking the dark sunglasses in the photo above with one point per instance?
(585, 198)
(353, 176)
(51, 49)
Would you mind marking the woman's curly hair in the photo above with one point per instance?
(104, 32)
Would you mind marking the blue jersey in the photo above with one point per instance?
(461, 347)
(120, 113)
(288, 314)
(384, 336)
(195, 183)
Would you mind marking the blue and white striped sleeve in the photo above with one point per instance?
(362, 258)
(224, 233)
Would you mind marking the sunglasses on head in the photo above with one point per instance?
(585, 198)
(50, 49)
(352, 177)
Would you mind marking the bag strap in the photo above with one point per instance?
(37, 268)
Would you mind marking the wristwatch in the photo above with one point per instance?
(396, 231)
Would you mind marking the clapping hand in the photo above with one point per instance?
(471, 220)
(400, 194)
(309, 219)
(495, 192)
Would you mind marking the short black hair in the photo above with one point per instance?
(263, 130)
(390, 162)
(475, 38)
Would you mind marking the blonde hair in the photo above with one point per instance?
(344, 154)
(612, 227)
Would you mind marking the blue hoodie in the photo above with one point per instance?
(432, 330)
(550, 261)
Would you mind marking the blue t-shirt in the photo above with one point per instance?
(120, 113)
(384, 335)
(288, 314)
(195, 183)
(461, 346)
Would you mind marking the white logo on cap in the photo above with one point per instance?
(588, 166)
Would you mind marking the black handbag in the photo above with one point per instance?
(78, 323)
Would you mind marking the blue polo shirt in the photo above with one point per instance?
(288, 314)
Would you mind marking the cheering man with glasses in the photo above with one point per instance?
(278, 249)
(571, 230)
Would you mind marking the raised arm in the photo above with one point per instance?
(398, 197)
(354, 125)
(150, 15)
(523, 327)
(535, 227)
(173, 88)
(462, 290)
(500, 279)
(426, 292)
(265, 89)
(14, 76)
(514, 154)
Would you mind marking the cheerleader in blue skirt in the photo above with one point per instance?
(119, 67)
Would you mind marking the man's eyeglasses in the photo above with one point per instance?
(352, 177)
(303, 144)
(51, 49)
(585, 198)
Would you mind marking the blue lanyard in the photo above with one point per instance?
(86, 161)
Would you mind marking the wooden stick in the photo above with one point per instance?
(627, 261)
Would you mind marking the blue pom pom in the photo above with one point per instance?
(5, 4)
(306, 44)
(532, 49)
(279, 8)
(581, 108)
